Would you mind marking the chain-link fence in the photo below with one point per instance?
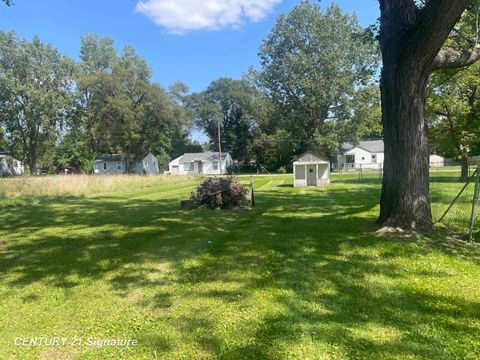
(453, 192)
(357, 173)
(454, 196)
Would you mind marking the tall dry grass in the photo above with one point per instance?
(79, 185)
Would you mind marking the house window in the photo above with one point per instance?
(119, 166)
(374, 158)
(187, 166)
(214, 165)
(350, 159)
(104, 166)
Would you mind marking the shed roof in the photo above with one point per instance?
(372, 146)
(311, 157)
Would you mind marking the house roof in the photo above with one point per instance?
(372, 146)
(110, 157)
(311, 157)
(204, 157)
(4, 152)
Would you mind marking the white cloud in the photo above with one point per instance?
(181, 16)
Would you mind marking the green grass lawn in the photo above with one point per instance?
(302, 276)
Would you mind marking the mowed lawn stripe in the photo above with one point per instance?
(302, 275)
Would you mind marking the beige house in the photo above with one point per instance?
(311, 169)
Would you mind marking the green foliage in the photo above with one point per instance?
(454, 112)
(318, 71)
(35, 91)
(74, 152)
(274, 150)
(120, 108)
(313, 65)
(183, 144)
(236, 106)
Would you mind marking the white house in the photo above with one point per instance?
(9, 166)
(437, 160)
(206, 163)
(366, 155)
(115, 164)
(311, 169)
(370, 155)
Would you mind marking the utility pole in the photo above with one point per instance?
(219, 149)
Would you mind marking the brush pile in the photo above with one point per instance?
(220, 193)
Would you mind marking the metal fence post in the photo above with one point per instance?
(252, 194)
(475, 203)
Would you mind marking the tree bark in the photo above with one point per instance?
(32, 162)
(405, 200)
(464, 165)
(410, 39)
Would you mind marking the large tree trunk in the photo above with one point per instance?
(32, 163)
(405, 198)
(410, 40)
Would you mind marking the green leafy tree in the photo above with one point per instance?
(35, 88)
(136, 115)
(365, 121)
(73, 152)
(119, 109)
(414, 40)
(234, 105)
(454, 113)
(97, 57)
(313, 65)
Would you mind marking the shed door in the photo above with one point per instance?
(311, 176)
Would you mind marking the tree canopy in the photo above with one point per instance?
(315, 67)
(57, 113)
(35, 94)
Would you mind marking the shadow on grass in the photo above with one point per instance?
(328, 280)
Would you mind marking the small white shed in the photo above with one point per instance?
(311, 169)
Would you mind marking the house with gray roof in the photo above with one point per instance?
(206, 163)
(366, 155)
(115, 164)
(369, 155)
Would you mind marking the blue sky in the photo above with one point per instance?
(193, 49)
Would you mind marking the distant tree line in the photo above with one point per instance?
(58, 113)
(316, 87)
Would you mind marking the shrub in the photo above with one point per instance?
(282, 170)
(219, 193)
